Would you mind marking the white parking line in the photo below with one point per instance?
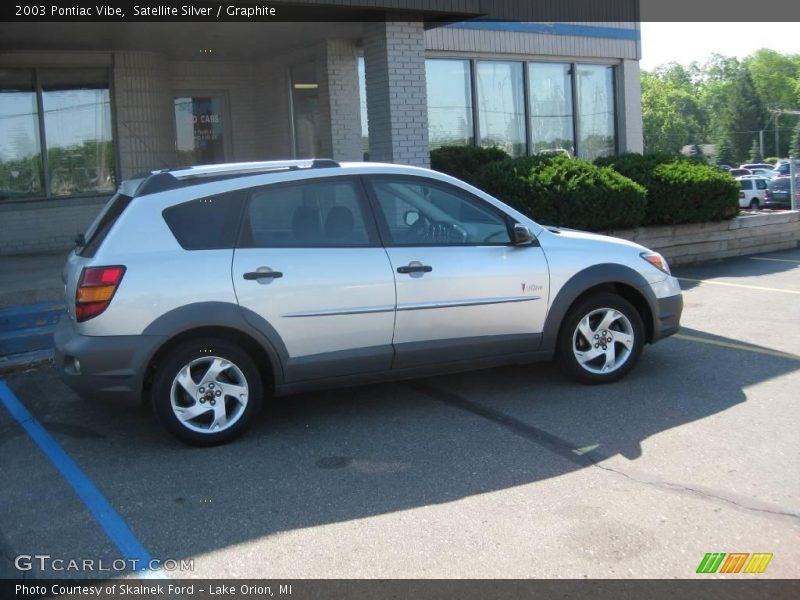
(789, 260)
(740, 285)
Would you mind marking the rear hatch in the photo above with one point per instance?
(83, 254)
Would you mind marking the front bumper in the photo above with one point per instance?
(668, 318)
(107, 368)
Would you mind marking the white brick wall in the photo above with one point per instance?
(340, 119)
(394, 60)
(143, 112)
(44, 226)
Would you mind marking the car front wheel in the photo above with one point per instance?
(601, 339)
(206, 392)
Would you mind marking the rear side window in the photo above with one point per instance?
(206, 223)
(320, 213)
(746, 184)
(780, 184)
(761, 184)
(100, 229)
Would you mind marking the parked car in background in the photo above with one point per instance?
(778, 194)
(783, 168)
(724, 167)
(751, 191)
(271, 278)
(740, 172)
(768, 173)
(751, 166)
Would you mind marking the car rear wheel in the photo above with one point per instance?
(601, 339)
(206, 392)
(754, 204)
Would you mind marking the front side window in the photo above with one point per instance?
(418, 212)
(308, 214)
(57, 134)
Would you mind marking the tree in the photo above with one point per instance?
(743, 115)
(724, 152)
(670, 112)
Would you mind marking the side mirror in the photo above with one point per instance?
(410, 217)
(522, 235)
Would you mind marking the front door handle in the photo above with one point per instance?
(263, 275)
(415, 269)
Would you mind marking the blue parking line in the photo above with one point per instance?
(101, 509)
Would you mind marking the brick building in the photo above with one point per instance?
(84, 105)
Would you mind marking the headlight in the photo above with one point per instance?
(658, 261)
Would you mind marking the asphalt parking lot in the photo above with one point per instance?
(512, 472)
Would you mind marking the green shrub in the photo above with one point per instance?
(463, 162)
(771, 159)
(679, 190)
(567, 192)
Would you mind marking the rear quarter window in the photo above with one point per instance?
(210, 223)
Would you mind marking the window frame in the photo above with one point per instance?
(362, 198)
(46, 191)
(573, 65)
(383, 225)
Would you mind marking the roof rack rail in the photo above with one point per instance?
(169, 179)
(249, 168)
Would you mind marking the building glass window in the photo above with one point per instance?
(305, 110)
(77, 125)
(449, 102)
(550, 100)
(20, 147)
(362, 97)
(596, 125)
(59, 140)
(501, 105)
(200, 130)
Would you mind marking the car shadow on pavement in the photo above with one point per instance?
(339, 455)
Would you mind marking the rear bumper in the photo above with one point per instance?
(106, 368)
(668, 319)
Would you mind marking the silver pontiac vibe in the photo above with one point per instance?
(203, 289)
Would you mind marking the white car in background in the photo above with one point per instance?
(752, 189)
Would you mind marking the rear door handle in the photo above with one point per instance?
(415, 269)
(263, 275)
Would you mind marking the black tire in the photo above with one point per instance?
(202, 352)
(754, 204)
(565, 355)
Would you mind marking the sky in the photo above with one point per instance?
(685, 42)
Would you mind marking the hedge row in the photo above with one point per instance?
(616, 192)
(679, 190)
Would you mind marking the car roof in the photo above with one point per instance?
(169, 179)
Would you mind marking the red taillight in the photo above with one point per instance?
(741, 194)
(96, 288)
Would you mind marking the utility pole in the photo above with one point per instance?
(776, 112)
(793, 182)
(761, 143)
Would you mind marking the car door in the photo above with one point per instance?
(464, 291)
(311, 274)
